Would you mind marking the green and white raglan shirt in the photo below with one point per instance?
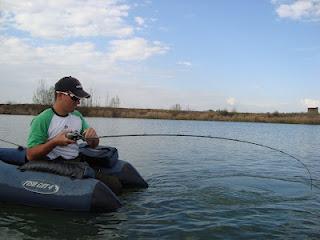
(48, 124)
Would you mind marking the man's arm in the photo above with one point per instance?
(41, 150)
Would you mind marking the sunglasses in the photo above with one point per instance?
(71, 95)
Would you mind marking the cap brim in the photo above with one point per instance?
(81, 94)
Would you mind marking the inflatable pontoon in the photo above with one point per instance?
(88, 185)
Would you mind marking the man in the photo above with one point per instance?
(47, 138)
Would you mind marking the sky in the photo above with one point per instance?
(235, 55)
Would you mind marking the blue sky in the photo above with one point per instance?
(248, 55)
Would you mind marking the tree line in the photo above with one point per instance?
(44, 95)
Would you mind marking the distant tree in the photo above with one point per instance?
(106, 100)
(87, 102)
(275, 114)
(10, 102)
(43, 95)
(176, 107)
(188, 108)
(223, 112)
(115, 102)
(97, 101)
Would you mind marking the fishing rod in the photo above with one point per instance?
(77, 136)
(207, 137)
(12, 143)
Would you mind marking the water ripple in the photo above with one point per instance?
(198, 189)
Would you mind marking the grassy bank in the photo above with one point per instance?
(293, 118)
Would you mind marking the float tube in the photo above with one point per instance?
(88, 185)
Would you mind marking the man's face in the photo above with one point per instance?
(69, 101)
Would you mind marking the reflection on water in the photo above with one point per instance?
(199, 188)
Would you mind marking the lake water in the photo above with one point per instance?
(198, 188)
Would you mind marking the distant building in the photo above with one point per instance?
(313, 110)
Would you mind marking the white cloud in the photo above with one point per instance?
(135, 49)
(310, 102)
(18, 51)
(185, 63)
(231, 101)
(21, 61)
(23, 64)
(24, 61)
(299, 9)
(71, 18)
(139, 20)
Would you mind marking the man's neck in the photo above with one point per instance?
(57, 108)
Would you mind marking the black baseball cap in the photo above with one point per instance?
(71, 84)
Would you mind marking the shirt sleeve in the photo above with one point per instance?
(84, 123)
(38, 133)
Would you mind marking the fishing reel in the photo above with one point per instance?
(75, 136)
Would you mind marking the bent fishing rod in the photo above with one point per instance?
(77, 136)
(207, 137)
(12, 143)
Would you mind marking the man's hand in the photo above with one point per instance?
(41, 150)
(93, 140)
(62, 140)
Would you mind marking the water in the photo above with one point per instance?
(199, 188)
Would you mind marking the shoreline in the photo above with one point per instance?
(289, 118)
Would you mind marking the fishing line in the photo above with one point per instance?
(78, 136)
(6, 141)
(208, 137)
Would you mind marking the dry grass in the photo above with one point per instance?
(293, 118)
